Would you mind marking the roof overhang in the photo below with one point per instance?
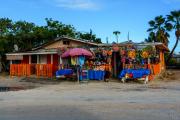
(19, 56)
(159, 45)
(14, 57)
(163, 47)
(31, 53)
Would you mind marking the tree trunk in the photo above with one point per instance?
(170, 55)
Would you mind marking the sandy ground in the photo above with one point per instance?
(57, 100)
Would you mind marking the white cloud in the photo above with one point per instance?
(77, 4)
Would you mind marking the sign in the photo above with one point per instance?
(14, 57)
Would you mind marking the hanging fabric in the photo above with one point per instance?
(77, 61)
(73, 60)
(81, 60)
(60, 60)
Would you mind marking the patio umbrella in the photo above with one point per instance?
(77, 52)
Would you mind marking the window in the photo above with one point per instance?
(66, 42)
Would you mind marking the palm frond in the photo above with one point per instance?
(168, 26)
(175, 13)
(170, 18)
(152, 23)
(150, 29)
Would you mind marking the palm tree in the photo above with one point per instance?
(116, 33)
(151, 37)
(158, 30)
(173, 23)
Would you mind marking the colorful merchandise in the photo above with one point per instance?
(81, 60)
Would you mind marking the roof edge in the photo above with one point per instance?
(64, 37)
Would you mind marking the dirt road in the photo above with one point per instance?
(94, 101)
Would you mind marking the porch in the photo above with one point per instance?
(40, 63)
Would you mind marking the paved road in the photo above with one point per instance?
(94, 101)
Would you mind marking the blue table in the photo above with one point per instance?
(96, 75)
(137, 73)
(64, 72)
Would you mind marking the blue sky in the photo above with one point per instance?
(102, 16)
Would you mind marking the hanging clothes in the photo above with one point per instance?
(60, 60)
(77, 61)
(73, 60)
(81, 60)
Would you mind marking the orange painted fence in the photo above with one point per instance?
(21, 70)
(155, 70)
(44, 70)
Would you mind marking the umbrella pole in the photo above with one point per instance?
(78, 74)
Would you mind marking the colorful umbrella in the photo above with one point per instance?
(77, 52)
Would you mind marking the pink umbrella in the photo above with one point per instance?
(77, 52)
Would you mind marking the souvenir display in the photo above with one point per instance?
(122, 52)
(132, 54)
(109, 52)
(145, 54)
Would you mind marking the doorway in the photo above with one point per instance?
(116, 64)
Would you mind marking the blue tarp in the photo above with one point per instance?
(137, 73)
(96, 75)
(64, 72)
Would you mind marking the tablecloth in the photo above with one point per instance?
(64, 72)
(137, 73)
(96, 75)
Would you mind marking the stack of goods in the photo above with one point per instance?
(102, 60)
(130, 55)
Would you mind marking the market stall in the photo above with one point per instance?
(76, 57)
(86, 64)
(138, 62)
(99, 67)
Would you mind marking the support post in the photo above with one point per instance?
(10, 62)
(161, 61)
(37, 59)
(29, 59)
(51, 58)
(115, 66)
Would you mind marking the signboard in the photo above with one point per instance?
(14, 57)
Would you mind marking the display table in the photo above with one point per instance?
(136, 74)
(64, 72)
(96, 75)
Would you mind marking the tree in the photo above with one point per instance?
(27, 35)
(117, 33)
(158, 31)
(23, 32)
(88, 36)
(57, 28)
(151, 37)
(173, 23)
(5, 29)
